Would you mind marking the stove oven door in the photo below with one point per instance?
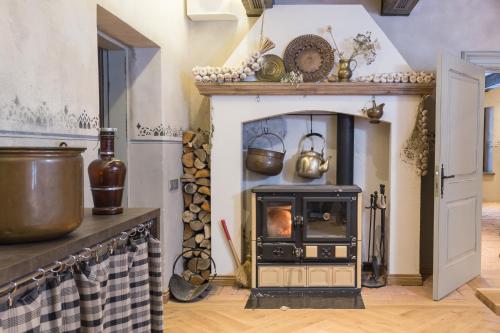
(275, 219)
(276, 229)
(329, 219)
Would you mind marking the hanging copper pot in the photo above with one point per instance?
(264, 161)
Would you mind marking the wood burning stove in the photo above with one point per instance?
(306, 236)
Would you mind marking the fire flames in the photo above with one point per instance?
(279, 221)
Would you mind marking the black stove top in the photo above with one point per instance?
(306, 188)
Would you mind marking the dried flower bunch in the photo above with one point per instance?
(294, 78)
(418, 147)
(366, 46)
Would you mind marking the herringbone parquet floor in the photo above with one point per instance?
(389, 309)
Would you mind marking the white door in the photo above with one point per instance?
(459, 171)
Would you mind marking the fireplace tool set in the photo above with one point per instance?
(376, 279)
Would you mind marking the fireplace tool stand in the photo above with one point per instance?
(376, 279)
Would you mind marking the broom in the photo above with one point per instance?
(240, 274)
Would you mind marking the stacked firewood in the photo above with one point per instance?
(196, 215)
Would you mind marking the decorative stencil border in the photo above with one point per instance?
(160, 130)
(16, 116)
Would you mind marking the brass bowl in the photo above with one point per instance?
(263, 161)
(41, 193)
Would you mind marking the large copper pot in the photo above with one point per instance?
(265, 161)
(41, 192)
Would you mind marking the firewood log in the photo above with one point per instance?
(187, 149)
(188, 216)
(198, 198)
(198, 141)
(205, 244)
(189, 243)
(203, 181)
(190, 171)
(201, 154)
(198, 238)
(203, 173)
(198, 264)
(207, 230)
(187, 254)
(190, 188)
(196, 225)
(188, 199)
(204, 190)
(205, 206)
(205, 274)
(187, 178)
(197, 279)
(188, 136)
(199, 164)
(188, 232)
(188, 160)
(204, 216)
(186, 275)
(192, 265)
(205, 254)
(194, 208)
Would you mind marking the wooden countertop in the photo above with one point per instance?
(19, 260)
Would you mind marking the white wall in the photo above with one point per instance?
(452, 26)
(48, 60)
(48, 75)
(491, 183)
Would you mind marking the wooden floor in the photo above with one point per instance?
(389, 309)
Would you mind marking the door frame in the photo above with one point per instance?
(489, 60)
(107, 42)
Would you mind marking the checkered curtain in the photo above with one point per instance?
(114, 292)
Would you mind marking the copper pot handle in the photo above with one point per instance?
(264, 134)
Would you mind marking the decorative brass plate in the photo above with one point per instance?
(273, 69)
(311, 55)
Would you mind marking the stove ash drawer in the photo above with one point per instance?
(330, 252)
(276, 252)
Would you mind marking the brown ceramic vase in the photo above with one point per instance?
(107, 176)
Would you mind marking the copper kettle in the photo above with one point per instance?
(310, 163)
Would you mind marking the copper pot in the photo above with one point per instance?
(41, 192)
(263, 161)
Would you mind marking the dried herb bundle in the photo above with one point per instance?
(418, 147)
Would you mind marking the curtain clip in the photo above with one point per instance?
(11, 294)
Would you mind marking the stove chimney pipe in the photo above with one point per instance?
(345, 149)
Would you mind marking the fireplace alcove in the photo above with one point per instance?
(229, 189)
(232, 105)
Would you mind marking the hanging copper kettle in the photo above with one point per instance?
(310, 163)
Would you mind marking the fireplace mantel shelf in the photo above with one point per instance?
(323, 88)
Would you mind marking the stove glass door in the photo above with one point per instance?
(277, 218)
(326, 218)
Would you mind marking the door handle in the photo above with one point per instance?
(443, 177)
